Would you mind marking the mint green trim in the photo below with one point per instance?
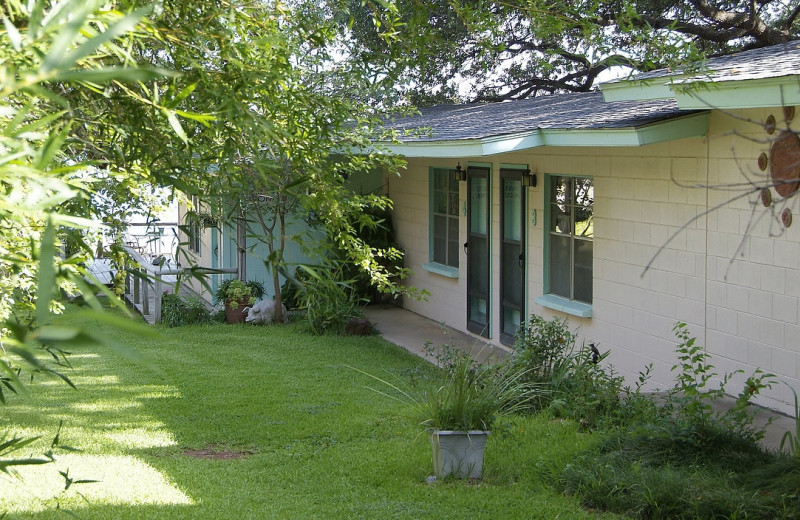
(693, 125)
(523, 167)
(443, 270)
(431, 183)
(431, 188)
(475, 164)
(214, 256)
(551, 301)
(705, 92)
(214, 244)
(490, 208)
(548, 182)
(771, 92)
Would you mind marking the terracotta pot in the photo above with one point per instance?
(235, 314)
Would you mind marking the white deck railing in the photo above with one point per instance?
(145, 283)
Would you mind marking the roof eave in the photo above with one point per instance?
(693, 125)
(637, 90)
(703, 94)
(732, 94)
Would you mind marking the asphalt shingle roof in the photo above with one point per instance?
(577, 111)
(766, 62)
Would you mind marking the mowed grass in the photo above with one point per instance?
(247, 422)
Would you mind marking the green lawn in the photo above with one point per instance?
(261, 422)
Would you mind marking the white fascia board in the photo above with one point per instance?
(754, 93)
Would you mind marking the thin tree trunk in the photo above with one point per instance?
(241, 248)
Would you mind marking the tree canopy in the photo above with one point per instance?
(490, 50)
(100, 101)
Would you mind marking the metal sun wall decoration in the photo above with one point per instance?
(783, 162)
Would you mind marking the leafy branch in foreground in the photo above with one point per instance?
(49, 54)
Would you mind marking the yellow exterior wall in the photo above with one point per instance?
(740, 302)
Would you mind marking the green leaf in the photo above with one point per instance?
(64, 39)
(52, 147)
(105, 75)
(37, 90)
(13, 34)
(42, 123)
(121, 323)
(183, 94)
(35, 19)
(125, 25)
(176, 125)
(47, 276)
(204, 119)
(48, 334)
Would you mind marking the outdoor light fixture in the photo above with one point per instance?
(460, 174)
(528, 179)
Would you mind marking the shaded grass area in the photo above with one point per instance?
(262, 422)
(659, 472)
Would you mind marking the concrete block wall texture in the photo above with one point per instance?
(732, 275)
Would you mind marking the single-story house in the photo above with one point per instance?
(239, 247)
(661, 198)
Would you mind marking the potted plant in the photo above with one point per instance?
(237, 295)
(458, 406)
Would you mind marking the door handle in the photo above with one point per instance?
(521, 261)
(466, 246)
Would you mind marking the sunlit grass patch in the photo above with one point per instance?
(120, 479)
(259, 422)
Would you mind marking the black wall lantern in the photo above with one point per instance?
(460, 174)
(528, 179)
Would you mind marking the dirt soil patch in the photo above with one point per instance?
(217, 454)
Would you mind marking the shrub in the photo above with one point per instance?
(328, 301)
(292, 289)
(577, 385)
(691, 401)
(176, 311)
(379, 235)
(692, 460)
(542, 347)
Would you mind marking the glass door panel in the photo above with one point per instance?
(512, 252)
(478, 252)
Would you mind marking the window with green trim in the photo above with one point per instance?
(570, 237)
(444, 217)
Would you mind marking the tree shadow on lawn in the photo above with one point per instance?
(196, 429)
(317, 443)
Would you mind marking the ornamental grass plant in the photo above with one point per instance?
(460, 394)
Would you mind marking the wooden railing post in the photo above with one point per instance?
(145, 291)
(157, 299)
(136, 289)
(148, 277)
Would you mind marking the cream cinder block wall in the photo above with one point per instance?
(410, 193)
(753, 260)
(680, 236)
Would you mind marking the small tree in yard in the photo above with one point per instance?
(287, 140)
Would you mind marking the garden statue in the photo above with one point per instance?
(264, 312)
